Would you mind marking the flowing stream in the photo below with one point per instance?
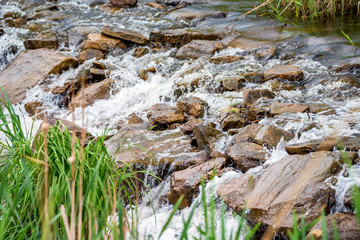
(313, 47)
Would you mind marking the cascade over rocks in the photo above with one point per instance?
(31, 67)
(199, 48)
(295, 183)
(186, 182)
(193, 106)
(124, 34)
(161, 116)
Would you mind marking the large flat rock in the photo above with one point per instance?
(31, 67)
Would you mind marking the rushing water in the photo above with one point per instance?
(130, 94)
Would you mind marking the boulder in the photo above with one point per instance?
(346, 224)
(31, 67)
(252, 95)
(349, 143)
(270, 136)
(280, 108)
(124, 3)
(225, 59)
(206, 137)
(133, 118)
(124, 34)
(182, 36)
(193, 106)
(97, 74)
(232, 83)
(303, 148)
(199, 48)
(36, 43)
(161, 116)
(188, 127)
(199, 158)
(35, 109)
(140, 51)
(294, 183)
(89, 95)
(246, 134)
(186, 182)
(246, 155)
(288, 72)
(90, 54)
(230, 119)
(102, 42)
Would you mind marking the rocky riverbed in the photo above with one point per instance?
(191, 89)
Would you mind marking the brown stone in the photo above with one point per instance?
(135, 119)
(230, 119)
(303, 148)
(124, 3)
(35, 109)
(90, 54)
(199, 158)
(280, 108)
(288, 72)
(295, 183)
(247, 44)
(61, 89)
(246, 155)
(188, 127)
(140, 51)
(232, 83)
(40, 43)
(31, 67)
(193, 106)
(225, 59)
(97, 74)
(206, 137)
(186, 182)
(346, 224)
(89, 95)
(266, 54)
(254, 77)
(199, 48)
(246, 134)
(99, 65)
(348, 65)
(162, 115)
(187, 15)
(270, 136)
(124, 34)
(102, 42)
(252, 95)
(156, 5)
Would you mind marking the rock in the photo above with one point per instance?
(247, 44)
(16, 23)
(199, 158)
(109, 8)
(351, 143)
(246, 134)
(198, 48)
(280, 108)
(124, 34)
(99, 65)
(206, 137)
(288, 72)
(246, 155)
(229, 120)
(61, 89)
(191, 15)
(294, 183)
(78, 34)
(254, 77)
(267, 54)
(346, 224)
(162, 115)
(140, 51)
(270, 136)
(156, 5)
(186, 182)
(318, 107)
(90, 54)
(252, 95)
(124, 3)
(188, 127)
(349, 65)
(97, 74)
(135, 119)
(143, 74)
(182, 36)
(89, 95)
(102, 42)
(31, 67)
(225, 59)
(232, 83)
(40, 43)
(35, 109)
(193, 106)
(303, 148)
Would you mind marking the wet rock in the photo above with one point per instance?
(40, 43)
(140, 51)
(303, 148)
(16, 23)
(230, 119)
(288, 72)
(102, 42)
(232, 83)
(162, 115)
(246, 134)
(225, 59)
(182, 36)
(156, 5)
(97, 74)
(199, 48)
(61, 89)
(143, 74)
(186, 182)
(294, 183)
(135, 119)
(193, 106)
(206, 137)
(270, 136)
(349, 143)
(280, 108)
(124, 3)
(199, 158)
(89, 95)
(346, 224)
(35, 109)
(189, 15)
(188, 127)
(318, 107)
(2, 31)
(124, 34)
(78, 34)
(254, 77)
(349, 65)
(278, 85)
(267, 54)
(247, 44)
(31, 67)
(109, 8)
(99, 65)
(90, 54)
(252, 95)
(246, 155)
